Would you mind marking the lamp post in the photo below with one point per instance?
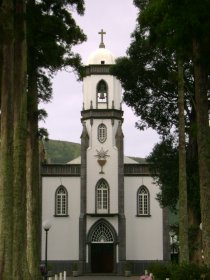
(202, 255)
(46, 226)
(172, 243)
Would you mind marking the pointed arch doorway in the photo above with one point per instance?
(102, 244)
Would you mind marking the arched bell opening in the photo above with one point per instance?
(102, 93)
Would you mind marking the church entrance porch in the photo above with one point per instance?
(102, 257)
(102, 245)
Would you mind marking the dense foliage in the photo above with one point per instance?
(60, 151)
(36, 41)
(166, 69)
(163, 271)
(164, 159)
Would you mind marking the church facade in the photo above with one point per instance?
(102, 205)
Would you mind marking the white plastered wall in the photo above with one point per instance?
(144, 235)
(63, 237)
(110, 168)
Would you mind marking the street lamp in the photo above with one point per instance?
(46, 226)
(202, 254)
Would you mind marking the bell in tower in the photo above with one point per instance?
(102, 91)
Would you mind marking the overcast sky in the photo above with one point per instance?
(118, 19)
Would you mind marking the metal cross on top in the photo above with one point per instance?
(102, 33)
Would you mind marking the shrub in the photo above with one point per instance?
(179, 272)
(160, 270)
(185, 271)
(128, 266)
(74, 266)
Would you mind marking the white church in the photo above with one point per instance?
(102, 205)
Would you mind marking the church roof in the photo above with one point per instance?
(75, 161)
(127, 160)
(101, 56)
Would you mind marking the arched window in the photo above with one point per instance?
(61, 201)
(143, 202)
(102, 197)
(102, 234)
(102, 92)
(102, 133)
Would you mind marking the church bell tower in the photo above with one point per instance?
(102, 177)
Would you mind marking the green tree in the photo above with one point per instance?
(168, 19)
(164, 161)
(17, 104)
(153, 69)
(51, 33)
(19, 264)
(163, 27)
(203, 136)
(13, 264)
(149, 78)
(6, 165)
(183, 212)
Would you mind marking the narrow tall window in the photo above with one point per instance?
(61, 201)
(102, 92)
(143, 203)
(102, 133)
(102, 196)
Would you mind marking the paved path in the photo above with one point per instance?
(100, 277)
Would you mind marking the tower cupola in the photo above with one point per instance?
(101, 89)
